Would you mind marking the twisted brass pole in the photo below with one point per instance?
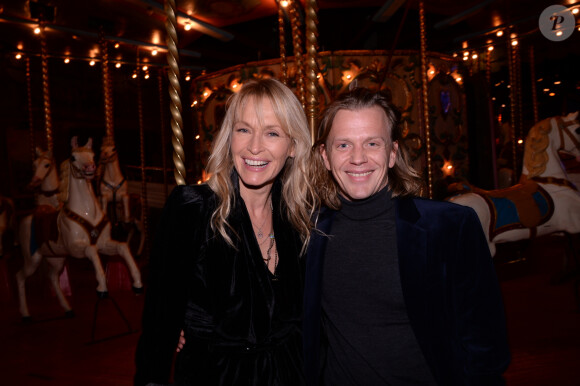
(425, 98)
(281, 31)
(297, 40)
(311, 66)
(511, 69)
(534, 91)
(46, 92)
(144, 201)
(107, 94)
(30, 115)
(174, 93)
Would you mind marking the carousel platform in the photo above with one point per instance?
(96, 346)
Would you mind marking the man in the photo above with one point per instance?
(399, 290)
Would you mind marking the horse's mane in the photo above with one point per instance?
(535, 156)
(64, 180)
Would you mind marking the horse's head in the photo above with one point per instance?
(41, 166)
(82, 160)
(108, 150)
(571, 135)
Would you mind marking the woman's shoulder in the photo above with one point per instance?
(191, 195)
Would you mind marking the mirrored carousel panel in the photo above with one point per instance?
(337, 71)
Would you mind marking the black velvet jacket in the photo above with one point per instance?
(222, 296)
(450, 288)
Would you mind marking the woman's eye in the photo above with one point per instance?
(242, 130)
(273, 134)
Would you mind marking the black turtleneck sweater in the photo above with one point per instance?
(369, 338)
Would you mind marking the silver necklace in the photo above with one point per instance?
(260, 234)
(269, 255)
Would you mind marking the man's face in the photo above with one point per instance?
(358, 152)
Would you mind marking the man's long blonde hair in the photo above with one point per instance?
(403, 178)
(297, 191)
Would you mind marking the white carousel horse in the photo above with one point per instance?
(83, 231)
(45, 176)
(112, 186)
(113, 190)
(7, 215)
(545, 201)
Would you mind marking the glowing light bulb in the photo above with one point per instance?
(197, 136)
(37, 30)
(154, 52)
(474, 56)
(18, 56)
(134, 75)
(187, 26)
(118, 64)
(557, 82)
(514, 43)
(66, 60)
(187, 78)
(117, 45)
(284, 3)
(490, 48)
(146, 76)
(499, 33)
(92, 63)
(145, 68)
(575, 11)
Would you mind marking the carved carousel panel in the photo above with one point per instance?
(336, 72)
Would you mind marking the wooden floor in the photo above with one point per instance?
(543, 323)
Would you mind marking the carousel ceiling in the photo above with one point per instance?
(216, 34)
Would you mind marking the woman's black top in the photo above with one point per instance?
(241, 323)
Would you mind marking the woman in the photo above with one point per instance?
(225, 266)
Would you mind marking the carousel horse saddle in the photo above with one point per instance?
(525, 205)
(44, 226)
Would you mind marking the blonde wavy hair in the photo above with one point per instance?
(403, 178)
(297, 191)
(535, 156)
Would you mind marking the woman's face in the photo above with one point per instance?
(259, 147)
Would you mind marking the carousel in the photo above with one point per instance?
(107, 106)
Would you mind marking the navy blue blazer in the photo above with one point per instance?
(449, 286)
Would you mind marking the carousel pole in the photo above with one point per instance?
(175, 92)
(281, 31)
(425, 95)
(107, 94)
(512, 107)
(46, 91)
(30, 115)
(297, 40)
(534, 91)
(311, 67)
(488, 68)
(163, 128)
(144, 203)
(518, 73)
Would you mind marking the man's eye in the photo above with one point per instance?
(342, 146)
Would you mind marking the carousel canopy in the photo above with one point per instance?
(216, 34)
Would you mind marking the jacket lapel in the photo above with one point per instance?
(312, 294)
(412, 241)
